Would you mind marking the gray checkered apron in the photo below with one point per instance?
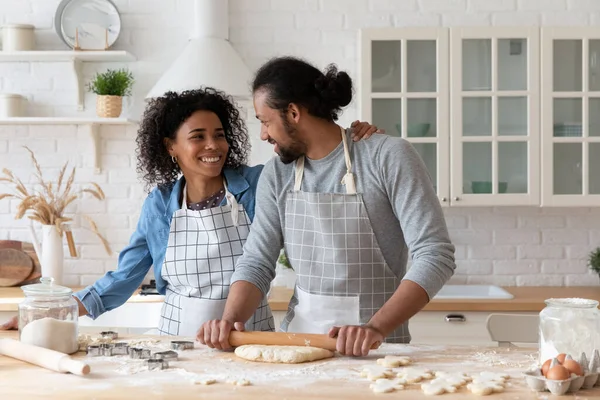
(203, 248)
(342, 277)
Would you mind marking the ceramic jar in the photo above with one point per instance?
(18, 37)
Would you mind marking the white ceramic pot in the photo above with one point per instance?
(12, 105)
(18, 37)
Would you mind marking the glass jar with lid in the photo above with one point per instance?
(570, 326)
(48, 317)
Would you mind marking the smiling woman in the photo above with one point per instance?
(184, 119)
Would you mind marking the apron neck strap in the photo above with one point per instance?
(230, 198)
(299, 174)
(347, 180)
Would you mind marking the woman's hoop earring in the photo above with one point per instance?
(174, 159)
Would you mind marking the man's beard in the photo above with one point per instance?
(295, 149)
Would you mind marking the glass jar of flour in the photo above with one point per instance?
(48, 317)
(569, 326)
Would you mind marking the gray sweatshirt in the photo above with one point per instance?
(401, 203)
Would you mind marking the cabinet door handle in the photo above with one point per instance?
(456, 198)
(455, 318)
(444, 199)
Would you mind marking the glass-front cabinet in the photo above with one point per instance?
(494, 91)
(500, 115)
(404, 89)
(571, 117)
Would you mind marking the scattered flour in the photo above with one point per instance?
(203, 365)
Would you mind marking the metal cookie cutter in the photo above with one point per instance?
(109, 335)
(120, 349)
(181, 345)
(166, 355)
(106, 349)
(94, 351)
(138, 353)
(157, 363)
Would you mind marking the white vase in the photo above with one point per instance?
(52, 254)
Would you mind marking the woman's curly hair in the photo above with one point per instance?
(163, 117)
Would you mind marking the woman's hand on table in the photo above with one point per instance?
(11, 324)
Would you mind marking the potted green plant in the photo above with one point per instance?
(111, 86)
(283, 260)
(594, 261)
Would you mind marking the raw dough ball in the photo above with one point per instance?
(414, 375)
(374, 372)
(52, 334)
(281, 354)
(387, 385)
(393, 361)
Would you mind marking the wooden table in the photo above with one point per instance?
(336, 378)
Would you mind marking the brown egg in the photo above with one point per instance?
(573, 366)
(561, 357)
(558, 373)
(546, 366)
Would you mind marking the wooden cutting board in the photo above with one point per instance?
(15, 267)
(28, 249)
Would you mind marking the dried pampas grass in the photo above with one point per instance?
(47, 205)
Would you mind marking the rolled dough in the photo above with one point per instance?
(282, 354)
(51, 334)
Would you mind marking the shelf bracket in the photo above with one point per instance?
(78, 71)
(95, 136)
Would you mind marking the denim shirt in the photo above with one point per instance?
(147, 245)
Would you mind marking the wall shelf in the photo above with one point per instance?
(75, 58)
(93, 124)
(66, 121)
(66, 55)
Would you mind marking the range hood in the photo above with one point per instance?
(208, 59)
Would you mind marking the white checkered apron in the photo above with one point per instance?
(342, 277)
(203, 248)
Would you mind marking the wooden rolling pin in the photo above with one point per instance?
(285, 339)
(49, 359)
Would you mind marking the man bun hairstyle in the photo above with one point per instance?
(292, 80)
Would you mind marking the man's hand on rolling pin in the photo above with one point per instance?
(355, 340)
(215, 333)
(11, 324)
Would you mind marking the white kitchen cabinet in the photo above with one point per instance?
(571, 116)
(443, 327)
(488, 130)
(404, 89)
(494, 107)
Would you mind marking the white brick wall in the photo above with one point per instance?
(514, 246)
